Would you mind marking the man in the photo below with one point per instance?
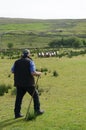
(24, 72)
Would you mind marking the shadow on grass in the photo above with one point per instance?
(11, 121)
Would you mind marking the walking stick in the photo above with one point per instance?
(28, 110)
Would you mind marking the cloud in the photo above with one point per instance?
(43, 8)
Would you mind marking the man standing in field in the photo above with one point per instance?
(24, 72)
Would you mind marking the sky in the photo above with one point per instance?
(43, 9)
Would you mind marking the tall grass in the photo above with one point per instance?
(63, 97)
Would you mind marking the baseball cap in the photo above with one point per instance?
(26, 52)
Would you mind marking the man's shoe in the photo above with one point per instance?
(18, 116)
(40, 112)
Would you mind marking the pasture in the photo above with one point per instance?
(63, 97)
(31, 33)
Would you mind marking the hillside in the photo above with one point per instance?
(36, 32)
(63, 97)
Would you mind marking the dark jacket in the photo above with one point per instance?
(22, 74)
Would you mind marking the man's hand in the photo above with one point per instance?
(36, 73)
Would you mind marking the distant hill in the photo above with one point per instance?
(24, 20)
(35, 32)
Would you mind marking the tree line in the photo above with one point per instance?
(73, 42)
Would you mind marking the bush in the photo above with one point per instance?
(2, 57)
(44, 69)
(55, 73)
(4, 89)
(13, 92)
(67, 42)
(10, 45)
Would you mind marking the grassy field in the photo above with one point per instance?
(63, 97)
(31, 33)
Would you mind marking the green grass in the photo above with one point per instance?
(63, 97)
(24, 33)
(25, 27)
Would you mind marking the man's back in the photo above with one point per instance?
(22, 74)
